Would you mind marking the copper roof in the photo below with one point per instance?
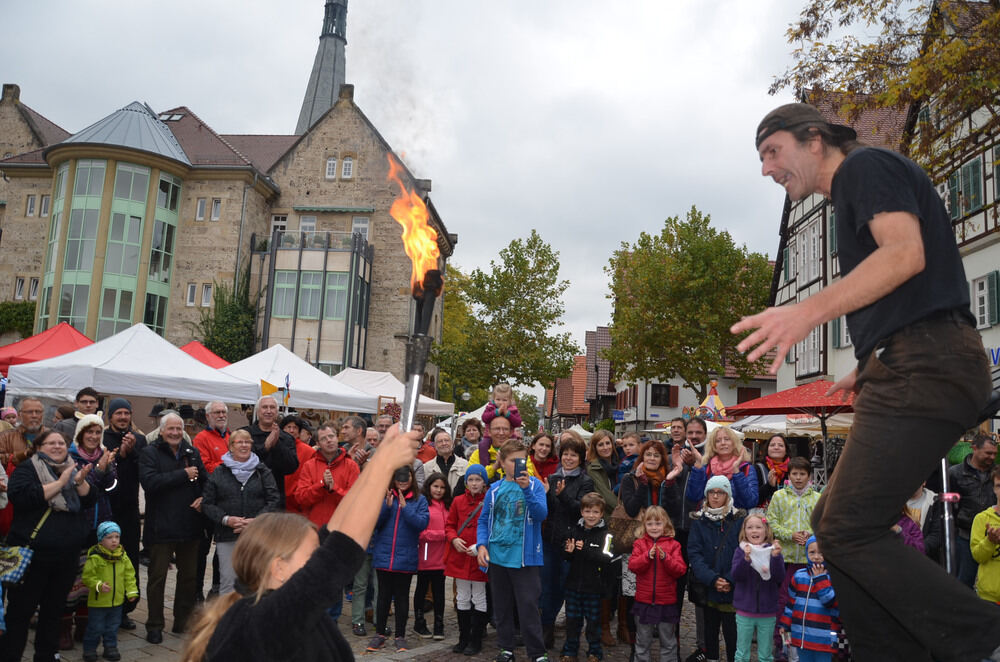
(135, 127)
(263, 151)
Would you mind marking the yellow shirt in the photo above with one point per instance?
(492, 472)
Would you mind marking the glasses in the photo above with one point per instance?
(717, 493)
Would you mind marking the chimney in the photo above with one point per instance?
(11, 92)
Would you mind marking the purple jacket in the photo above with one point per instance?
(751, 594)
(911, 533)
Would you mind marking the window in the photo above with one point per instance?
(330, 369)
(155, 313)
(161, 251)
(359, 225)
(335, 306)
(206, 295)
(663, 395)
(80, 240)
(808, 353)
(61, 181)
(278, 222)
(132, 183)
(307, 223)
(832, 240)
(331, 168)
(965, 189)
(89, 178)
(116, 312)
(46, 203)
(53, 246)
(199, 210)
(170, 191)
(746, 393)
(984, 300)
(124, 239)
(43, 310)
(284, 294)
(19, 288)
(996, 172)
(839, 334)
(33, 290)
(216, 208)
(347, 170)
(192, 292)
(310, 285)
(73, 306)
(29, 206)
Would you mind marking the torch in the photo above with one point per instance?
(426, 281)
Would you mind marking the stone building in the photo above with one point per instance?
(139, 217)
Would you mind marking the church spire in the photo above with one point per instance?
(328, 69)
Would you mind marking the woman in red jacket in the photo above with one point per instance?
(461, 563)
(657, 563)
(432, 545)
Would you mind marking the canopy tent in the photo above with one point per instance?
(795, 425)
(579, 429)
(385, 384)
(134, 362)
(60, 339)
(204, 354)
(310, 387)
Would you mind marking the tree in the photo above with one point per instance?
(527, 406)
(17, 316)
(940, 56)
(676, 294)
(457, 370)
(228, 328)
(504, 331)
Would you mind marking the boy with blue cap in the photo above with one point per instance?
(110, 576)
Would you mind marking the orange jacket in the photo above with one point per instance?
(316, 502)
(304, 452)
(211, 446)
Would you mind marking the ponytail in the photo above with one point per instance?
(206, 620)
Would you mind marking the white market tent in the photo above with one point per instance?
(135, 362)
(385, 384)
(310, 387)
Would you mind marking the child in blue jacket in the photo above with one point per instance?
(509, 540)
(404, 515)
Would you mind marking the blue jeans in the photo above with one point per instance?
(967, 566)
(917, 392)
(554, 572)
(102, 623)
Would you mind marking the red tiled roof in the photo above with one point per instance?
(881, 127)
(598, 380)
(47, 131)
(202, 145)
(263, 151)
(34, 156)
(570, 392)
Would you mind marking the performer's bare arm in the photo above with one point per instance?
(899, 257)
(358, 511)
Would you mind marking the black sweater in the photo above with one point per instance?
(61, 530)
(291, 622)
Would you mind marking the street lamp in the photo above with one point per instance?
(454, 399)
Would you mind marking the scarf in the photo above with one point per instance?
(655, 478)
(720, 467)
(760, 559)
(48, 471)
(90, 457)
(611, 469)
(568, 474)
(717, 514)
(780, 469)
(801, 493)
(241, 470)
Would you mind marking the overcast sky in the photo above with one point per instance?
(588, 121)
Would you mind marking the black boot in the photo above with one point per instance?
(420, 626)
(464, 620)
(549, 636)
(476, 630)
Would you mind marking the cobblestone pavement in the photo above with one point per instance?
(134, 647)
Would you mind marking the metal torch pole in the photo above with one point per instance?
(417, 349)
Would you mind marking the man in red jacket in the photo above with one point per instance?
(325, 478)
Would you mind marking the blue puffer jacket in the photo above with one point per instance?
(397, 533)
(744, 483)
(711, 546)
(535, 512)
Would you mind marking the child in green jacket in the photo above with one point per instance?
(110, 576)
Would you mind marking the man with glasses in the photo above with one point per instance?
(212, 443)
(15, 444)
(87, 401)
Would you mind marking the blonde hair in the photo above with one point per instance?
(659, 514)
(768, 533)
(503, 388)
(738, 447)
(242, 433)
(267, 537)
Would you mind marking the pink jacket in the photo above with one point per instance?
(432, 541)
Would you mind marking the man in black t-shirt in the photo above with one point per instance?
(921, 380)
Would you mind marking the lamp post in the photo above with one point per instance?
(454, 399)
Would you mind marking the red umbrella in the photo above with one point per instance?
(809, 399)
(204, 354)
(60, 339)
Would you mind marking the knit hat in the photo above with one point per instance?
(86, 421)
(812, 539)
(478, 470)
(719, 483)
(6, 411)
(118, 403)
(106, 529)
(798, 115)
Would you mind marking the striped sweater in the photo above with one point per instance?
(811, 613)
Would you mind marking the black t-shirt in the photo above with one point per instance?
(871, 181)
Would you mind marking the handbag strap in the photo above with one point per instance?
(475, 511)
(39, 525)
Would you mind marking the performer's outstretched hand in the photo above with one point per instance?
(845, 384)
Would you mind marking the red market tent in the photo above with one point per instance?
(59, 340)
(809, 399)
(204, 354)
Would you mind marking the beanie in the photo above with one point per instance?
(118, 403)
(85, 422)
(478, 470)
(719, 483)
(107, 528)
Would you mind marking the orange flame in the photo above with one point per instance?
(419, 238)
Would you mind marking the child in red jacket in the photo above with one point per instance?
(657, 563)
(461, 562)
(430, 556)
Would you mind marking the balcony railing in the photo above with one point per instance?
(314, 240)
